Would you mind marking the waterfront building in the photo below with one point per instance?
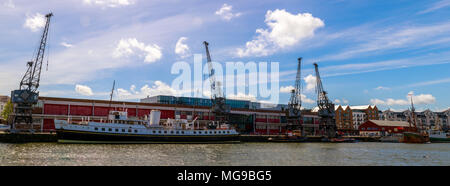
(344, 119)
(195, 101)
(261, 121)
(382, 127)
(349, 118)
(426, 118)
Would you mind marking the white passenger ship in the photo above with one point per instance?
(119, 129)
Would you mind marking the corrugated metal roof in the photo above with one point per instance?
(390, 123)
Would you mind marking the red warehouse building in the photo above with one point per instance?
(50, 108)
(383, 127)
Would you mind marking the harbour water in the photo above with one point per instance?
(265, 154)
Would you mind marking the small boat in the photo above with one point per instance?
(4, 127)
(119, 129)
(343, 140)
(287, 139)
(294, 136)
(437, 136)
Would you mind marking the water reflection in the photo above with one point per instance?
(225, 154)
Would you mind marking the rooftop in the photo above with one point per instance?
(390, 123)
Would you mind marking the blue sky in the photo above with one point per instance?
(369, 52)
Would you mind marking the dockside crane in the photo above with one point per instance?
(326, 112)
(27, 95)
(219, 107)
(294, 116)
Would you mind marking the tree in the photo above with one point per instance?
(7, 110)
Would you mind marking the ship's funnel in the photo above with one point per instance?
(155, 116)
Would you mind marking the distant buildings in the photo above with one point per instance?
(3, 101)
(427, 118)
(351, 117)
(382, 127)
(194, 101)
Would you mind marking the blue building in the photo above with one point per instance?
(193, 101)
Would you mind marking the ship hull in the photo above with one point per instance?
(439, 140)
(413, 137)
(72, 136)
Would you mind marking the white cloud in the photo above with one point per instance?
(382, 88)
(83, 90)
(436, 6)
(34, 23)
(344, 101)
(108, 3)
(400, 37)
(158, 88)
(181, 48)
(225, 12)
(310, 82)
(69, 66)
(432, 82)
(286, 89)
(424, 99)
(242, 96)
(338, 101)
(67, 45)
(285, 30)
(419, 99)
(306, 99)
(9, 4)
(127, 47)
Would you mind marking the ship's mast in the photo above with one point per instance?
(111, 96)
(413, 113)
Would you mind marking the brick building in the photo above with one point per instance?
(260, 121)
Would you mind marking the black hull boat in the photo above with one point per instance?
(119, 129)
(67, 136)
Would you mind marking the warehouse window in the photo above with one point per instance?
(117, 130)
(123, 130)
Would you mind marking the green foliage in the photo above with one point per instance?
(7, 109)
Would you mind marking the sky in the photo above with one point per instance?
(368, 52)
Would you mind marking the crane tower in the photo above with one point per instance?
(294, 116)
(219, 106)
(27, 95)
(327, 123)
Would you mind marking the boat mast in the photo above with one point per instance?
(110, 98)
(413, 113)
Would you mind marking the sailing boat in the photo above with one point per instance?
(414, 134)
